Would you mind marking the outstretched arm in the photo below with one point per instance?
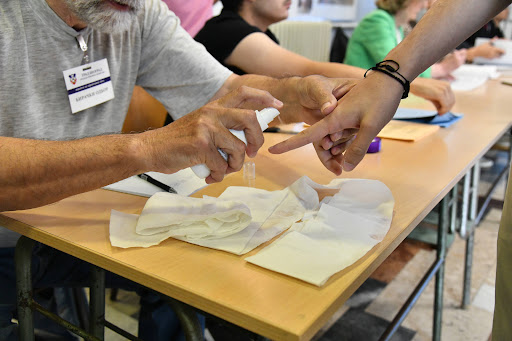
(444, 26)
(258, 54)
(35, 173)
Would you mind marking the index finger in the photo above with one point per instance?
(312, 134)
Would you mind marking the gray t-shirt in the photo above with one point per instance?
(36, 46)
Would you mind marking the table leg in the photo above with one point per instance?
(23, 261)
(97, 303)
(188, 318)
(442, 230)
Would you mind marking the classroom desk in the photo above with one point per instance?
(419, 175)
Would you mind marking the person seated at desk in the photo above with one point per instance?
(248, 46)
(490, 30)
(381, 30)
(51, 53)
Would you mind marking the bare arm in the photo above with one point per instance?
(306, 99)
(258, 54)
(36, 173)
(444, 26)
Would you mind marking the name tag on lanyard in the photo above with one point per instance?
(88, 85)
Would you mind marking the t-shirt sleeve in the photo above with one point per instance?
(175, 69)
(221, 35)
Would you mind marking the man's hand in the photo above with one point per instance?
(438, 92)
(359, 111)
(194, 138)
(311, 98)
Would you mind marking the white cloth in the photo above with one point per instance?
(332, 233)
(345, 228)
(169, 215)
(271, 213)
(192, 217)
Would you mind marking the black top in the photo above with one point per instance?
(221, 34)
(490, 30)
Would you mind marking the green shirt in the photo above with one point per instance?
(372, 40)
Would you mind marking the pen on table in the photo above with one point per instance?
(506, 83)
(157, 183)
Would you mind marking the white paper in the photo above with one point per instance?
(345, 228)
(504, 44)
(469, 77)
(185, 182)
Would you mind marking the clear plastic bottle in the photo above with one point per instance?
(264, 117)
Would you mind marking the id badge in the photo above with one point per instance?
(88, 85)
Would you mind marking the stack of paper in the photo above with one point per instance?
(469, 77)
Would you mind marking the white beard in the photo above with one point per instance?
(103, 17)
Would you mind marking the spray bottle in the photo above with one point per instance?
(264, 117)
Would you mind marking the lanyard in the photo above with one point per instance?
(83, 47)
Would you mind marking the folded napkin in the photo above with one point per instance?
(271, 212)
(344, 229)
(192, 217)
(169, 215)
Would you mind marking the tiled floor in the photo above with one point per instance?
(367, 313)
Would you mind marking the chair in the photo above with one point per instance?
(339, 46)
(311, 39)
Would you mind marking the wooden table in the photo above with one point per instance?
(419, 175)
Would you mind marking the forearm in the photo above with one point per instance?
(429, 41)
(334, 70)
(35, 173)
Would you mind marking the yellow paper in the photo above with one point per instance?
(407, 131)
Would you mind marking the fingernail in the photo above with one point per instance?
(327, 145)
(278, 103)
(347, 166)
(325, 106)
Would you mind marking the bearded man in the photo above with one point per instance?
(68, 68)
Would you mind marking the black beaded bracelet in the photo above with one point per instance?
(392, 72)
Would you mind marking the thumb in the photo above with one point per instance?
(324, 97)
